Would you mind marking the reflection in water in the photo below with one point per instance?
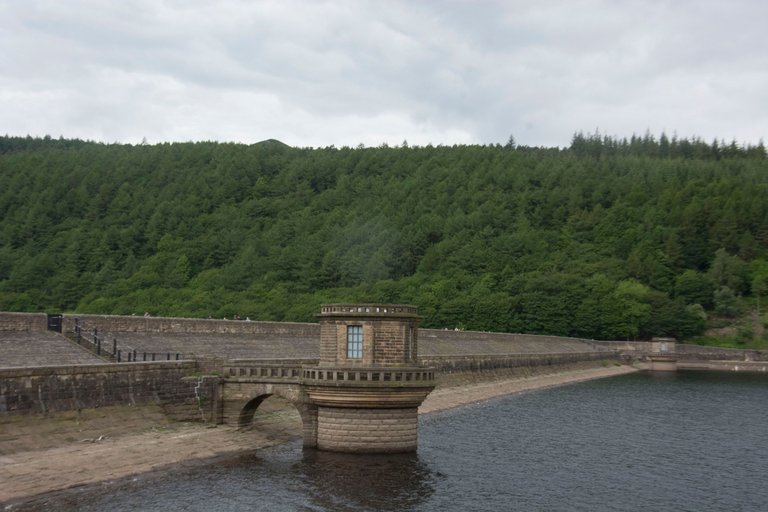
(281, 478)
(640, 442)
(341, 481)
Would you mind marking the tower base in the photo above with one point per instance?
(367, 430)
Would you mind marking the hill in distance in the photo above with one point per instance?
(605, 239)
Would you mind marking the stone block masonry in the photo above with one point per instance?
(194, 338)
(359, 403)
(396, 343)
(139, 324)
(275, 340)
(367, 430)
(28, 322)
(367, 398)
(60, 388)
(488, 363)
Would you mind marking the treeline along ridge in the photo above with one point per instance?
(605, 239)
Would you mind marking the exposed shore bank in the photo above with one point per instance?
(41, 458)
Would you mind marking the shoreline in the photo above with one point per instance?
(30, 477)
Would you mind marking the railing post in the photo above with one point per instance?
(169, 357)
(118, 356)
(134, 355)
(153, 356)
(145, 356)
(98, 348)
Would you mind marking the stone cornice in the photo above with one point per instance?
(368, 398)
(369, 310)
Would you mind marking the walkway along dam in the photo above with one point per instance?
(356, 377)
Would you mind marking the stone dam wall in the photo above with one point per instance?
(25, 341)
(42, 371)
(692, 352)
(42, 390)
(191, 326)
(23, 322)
(480, 363)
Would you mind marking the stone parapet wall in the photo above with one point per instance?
(140, 324)
(688, 352)
(60, 388)
(237, 338)
(626, 346)
(453, 371)
(266, 370)
(725, 366)
(702, 353)
(370, 310)
(367, 430)
(378, 376)
(459, 378)
(27, 322)
(482, 363)
(655, 345)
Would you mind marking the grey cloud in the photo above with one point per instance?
(320, 73)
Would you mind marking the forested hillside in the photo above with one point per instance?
(606, 239)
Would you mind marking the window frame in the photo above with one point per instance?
(355, 342)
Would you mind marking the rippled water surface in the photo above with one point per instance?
(691, 441)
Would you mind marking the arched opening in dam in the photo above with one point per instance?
(272, 415)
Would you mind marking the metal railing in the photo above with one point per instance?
(101, 345)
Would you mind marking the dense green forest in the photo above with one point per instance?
(606, 239)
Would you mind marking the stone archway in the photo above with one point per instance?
(246, 413)
(240, 401)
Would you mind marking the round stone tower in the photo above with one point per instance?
(368, 385)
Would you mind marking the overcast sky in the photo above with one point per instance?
(313, 73)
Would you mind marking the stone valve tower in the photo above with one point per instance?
(368, 384)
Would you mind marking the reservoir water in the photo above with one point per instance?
(687, 441)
